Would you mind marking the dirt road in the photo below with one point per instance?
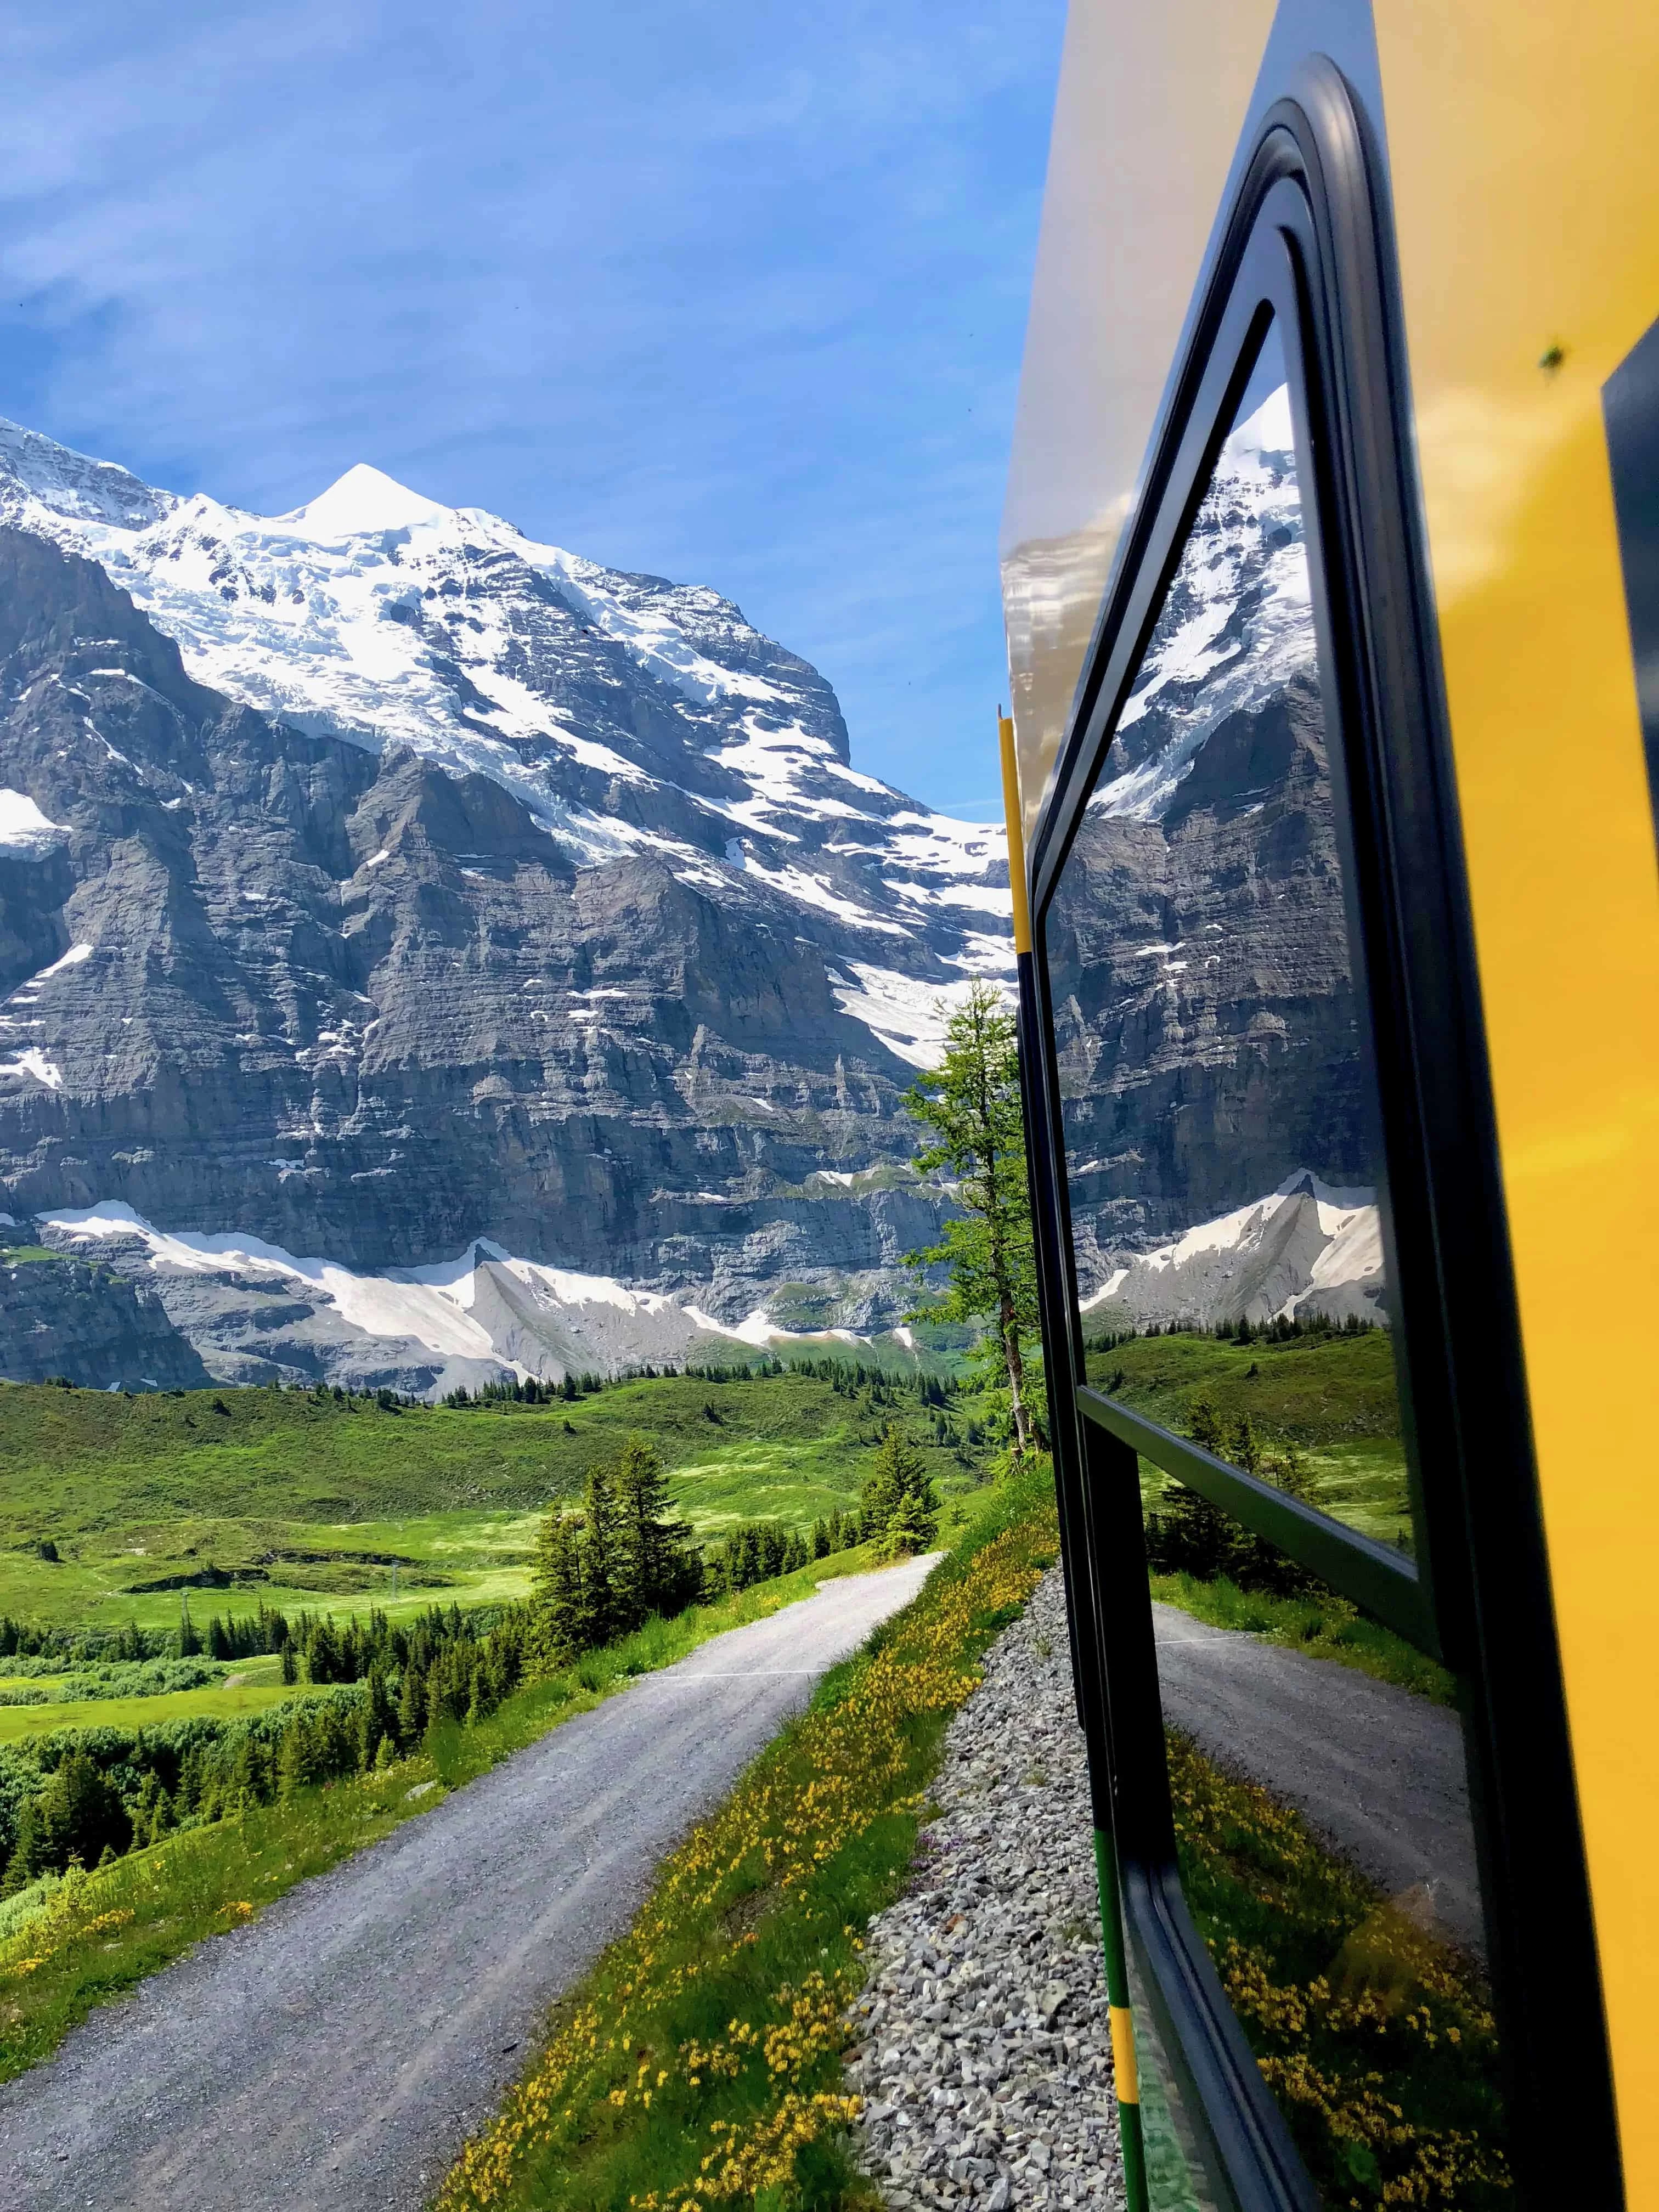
(332, 2055)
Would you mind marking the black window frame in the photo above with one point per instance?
(1306, 239)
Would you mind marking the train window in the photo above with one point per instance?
(1219, 1109)
(1220, 1117)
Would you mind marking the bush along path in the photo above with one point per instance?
(700, 2062)
(984, 2055)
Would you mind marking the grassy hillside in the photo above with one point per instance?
(249, 1689)
(274, 1496)
(1334, 1396)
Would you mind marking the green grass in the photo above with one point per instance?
(1334, 1396)
(1312, 1390)
(1326, 1627)
(700, 2060)
(792, 1482)
(201, 1880)
(300, 1506)
(229, 1701)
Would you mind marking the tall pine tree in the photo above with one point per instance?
(652, 1549)
(898, 1508)
(601, 1560)
(971, 1103)
(558, 1588)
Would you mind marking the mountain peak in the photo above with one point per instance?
(361, 501)
(36, 472)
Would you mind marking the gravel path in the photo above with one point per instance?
(332, 2055)
(1378, 1770)
(982, 2051)
(985, 2059)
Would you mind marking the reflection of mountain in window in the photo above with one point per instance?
(1236, 624)
(1219, 1130)
(1219, 1119)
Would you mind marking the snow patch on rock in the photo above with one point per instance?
(1308, 1249)
(24, 828)
(487, 1309)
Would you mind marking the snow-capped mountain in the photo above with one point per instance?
(1237, 626)
(377, 884)
(622, 711)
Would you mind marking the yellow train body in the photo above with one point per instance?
(1520, 148)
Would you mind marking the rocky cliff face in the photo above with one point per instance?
(63, 1316)
(374, 882)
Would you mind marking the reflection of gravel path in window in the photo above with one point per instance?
(984, 2052)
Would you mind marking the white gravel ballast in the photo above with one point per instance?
(983, 2051)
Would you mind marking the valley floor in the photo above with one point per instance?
(337, 2051)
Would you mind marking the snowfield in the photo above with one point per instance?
(486, 1305)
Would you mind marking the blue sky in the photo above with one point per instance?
(732, 292)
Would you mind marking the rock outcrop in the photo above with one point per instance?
(65, 1317)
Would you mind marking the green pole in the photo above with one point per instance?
(1126, 2073)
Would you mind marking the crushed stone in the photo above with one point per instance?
(982, 2050)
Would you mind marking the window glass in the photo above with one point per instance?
(1220, 1131)
(1221, 1154)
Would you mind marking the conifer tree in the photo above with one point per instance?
(149, 1795)
(652, 1549)
(411, 1706)
(296, 1765)
(73, 1816)
(1288, 1469)
(376, 1717)
(190, 1643)
(557, 1587)
(1189, 1535)
(972, 1104)
(601, 1560)
(898, 1494)
(250, 1777)
(914, 1525)
(1205, 1426)
(1244, 1447)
